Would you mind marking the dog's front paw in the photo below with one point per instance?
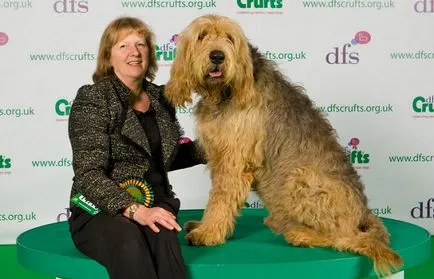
(191, 225)
(203, 237)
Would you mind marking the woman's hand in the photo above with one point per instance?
(150, 216)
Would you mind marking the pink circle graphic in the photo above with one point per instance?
(353, 143)
(3, 38)
(363, 37)
(174, 38)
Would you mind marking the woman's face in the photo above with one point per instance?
(129, 56)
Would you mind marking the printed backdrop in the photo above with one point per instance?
(368, 64)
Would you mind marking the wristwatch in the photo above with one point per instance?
(131, 210)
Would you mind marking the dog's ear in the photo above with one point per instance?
(244, 87)
(178, 89)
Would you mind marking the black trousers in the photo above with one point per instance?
(127, 249)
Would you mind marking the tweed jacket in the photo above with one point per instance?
(109, 144)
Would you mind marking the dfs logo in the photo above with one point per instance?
(167, 52)
(355, 155)
(343, 55)
(424, 6)
(70, 6)
(423, 211)
(64, 216)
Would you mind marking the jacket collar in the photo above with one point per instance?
(132, 128)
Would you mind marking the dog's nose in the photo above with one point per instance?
(217, 56)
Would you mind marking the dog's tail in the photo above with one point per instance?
(372, 241)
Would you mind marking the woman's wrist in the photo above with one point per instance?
(130, 210)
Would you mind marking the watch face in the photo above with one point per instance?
(133, 208)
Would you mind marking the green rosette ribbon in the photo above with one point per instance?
(137, 187)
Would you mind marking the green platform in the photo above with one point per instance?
(253, 252)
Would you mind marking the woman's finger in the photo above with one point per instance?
(154, 227)
(167, 213)
(174, 224)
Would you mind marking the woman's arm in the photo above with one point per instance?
(189, 154)
(88, 132)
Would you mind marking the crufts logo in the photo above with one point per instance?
(421, 104)
(343, 55)
(5, 163)
(424, 6)
(423, 211)
(63, 107)
(264, 4)
(355, 155)
(70, 6)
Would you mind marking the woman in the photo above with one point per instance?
(122, 127)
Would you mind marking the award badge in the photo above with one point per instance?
(137, 187)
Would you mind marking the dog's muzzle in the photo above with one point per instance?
(215, 73)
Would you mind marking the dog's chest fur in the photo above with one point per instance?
(218, 128)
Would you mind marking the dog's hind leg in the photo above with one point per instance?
(273, 224)
(228, 194)
(385, 260)
(330, 215)
(278, 223)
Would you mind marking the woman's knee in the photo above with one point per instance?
(127, 238)
(163, 235)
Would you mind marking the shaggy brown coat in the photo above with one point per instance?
(259, 129)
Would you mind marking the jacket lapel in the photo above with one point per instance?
(133, 130)
(166, 125)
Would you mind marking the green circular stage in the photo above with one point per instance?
(253, 252)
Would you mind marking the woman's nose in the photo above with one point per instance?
(134, 50)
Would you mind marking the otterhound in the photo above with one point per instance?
(258, 129)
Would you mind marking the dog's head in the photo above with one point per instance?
(213, 58)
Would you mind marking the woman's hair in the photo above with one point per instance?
(109, 39)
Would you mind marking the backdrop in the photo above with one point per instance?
(368, 64)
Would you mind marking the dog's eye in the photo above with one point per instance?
(230, 38)
(201, 36)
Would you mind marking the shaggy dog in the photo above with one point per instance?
(257, 129)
